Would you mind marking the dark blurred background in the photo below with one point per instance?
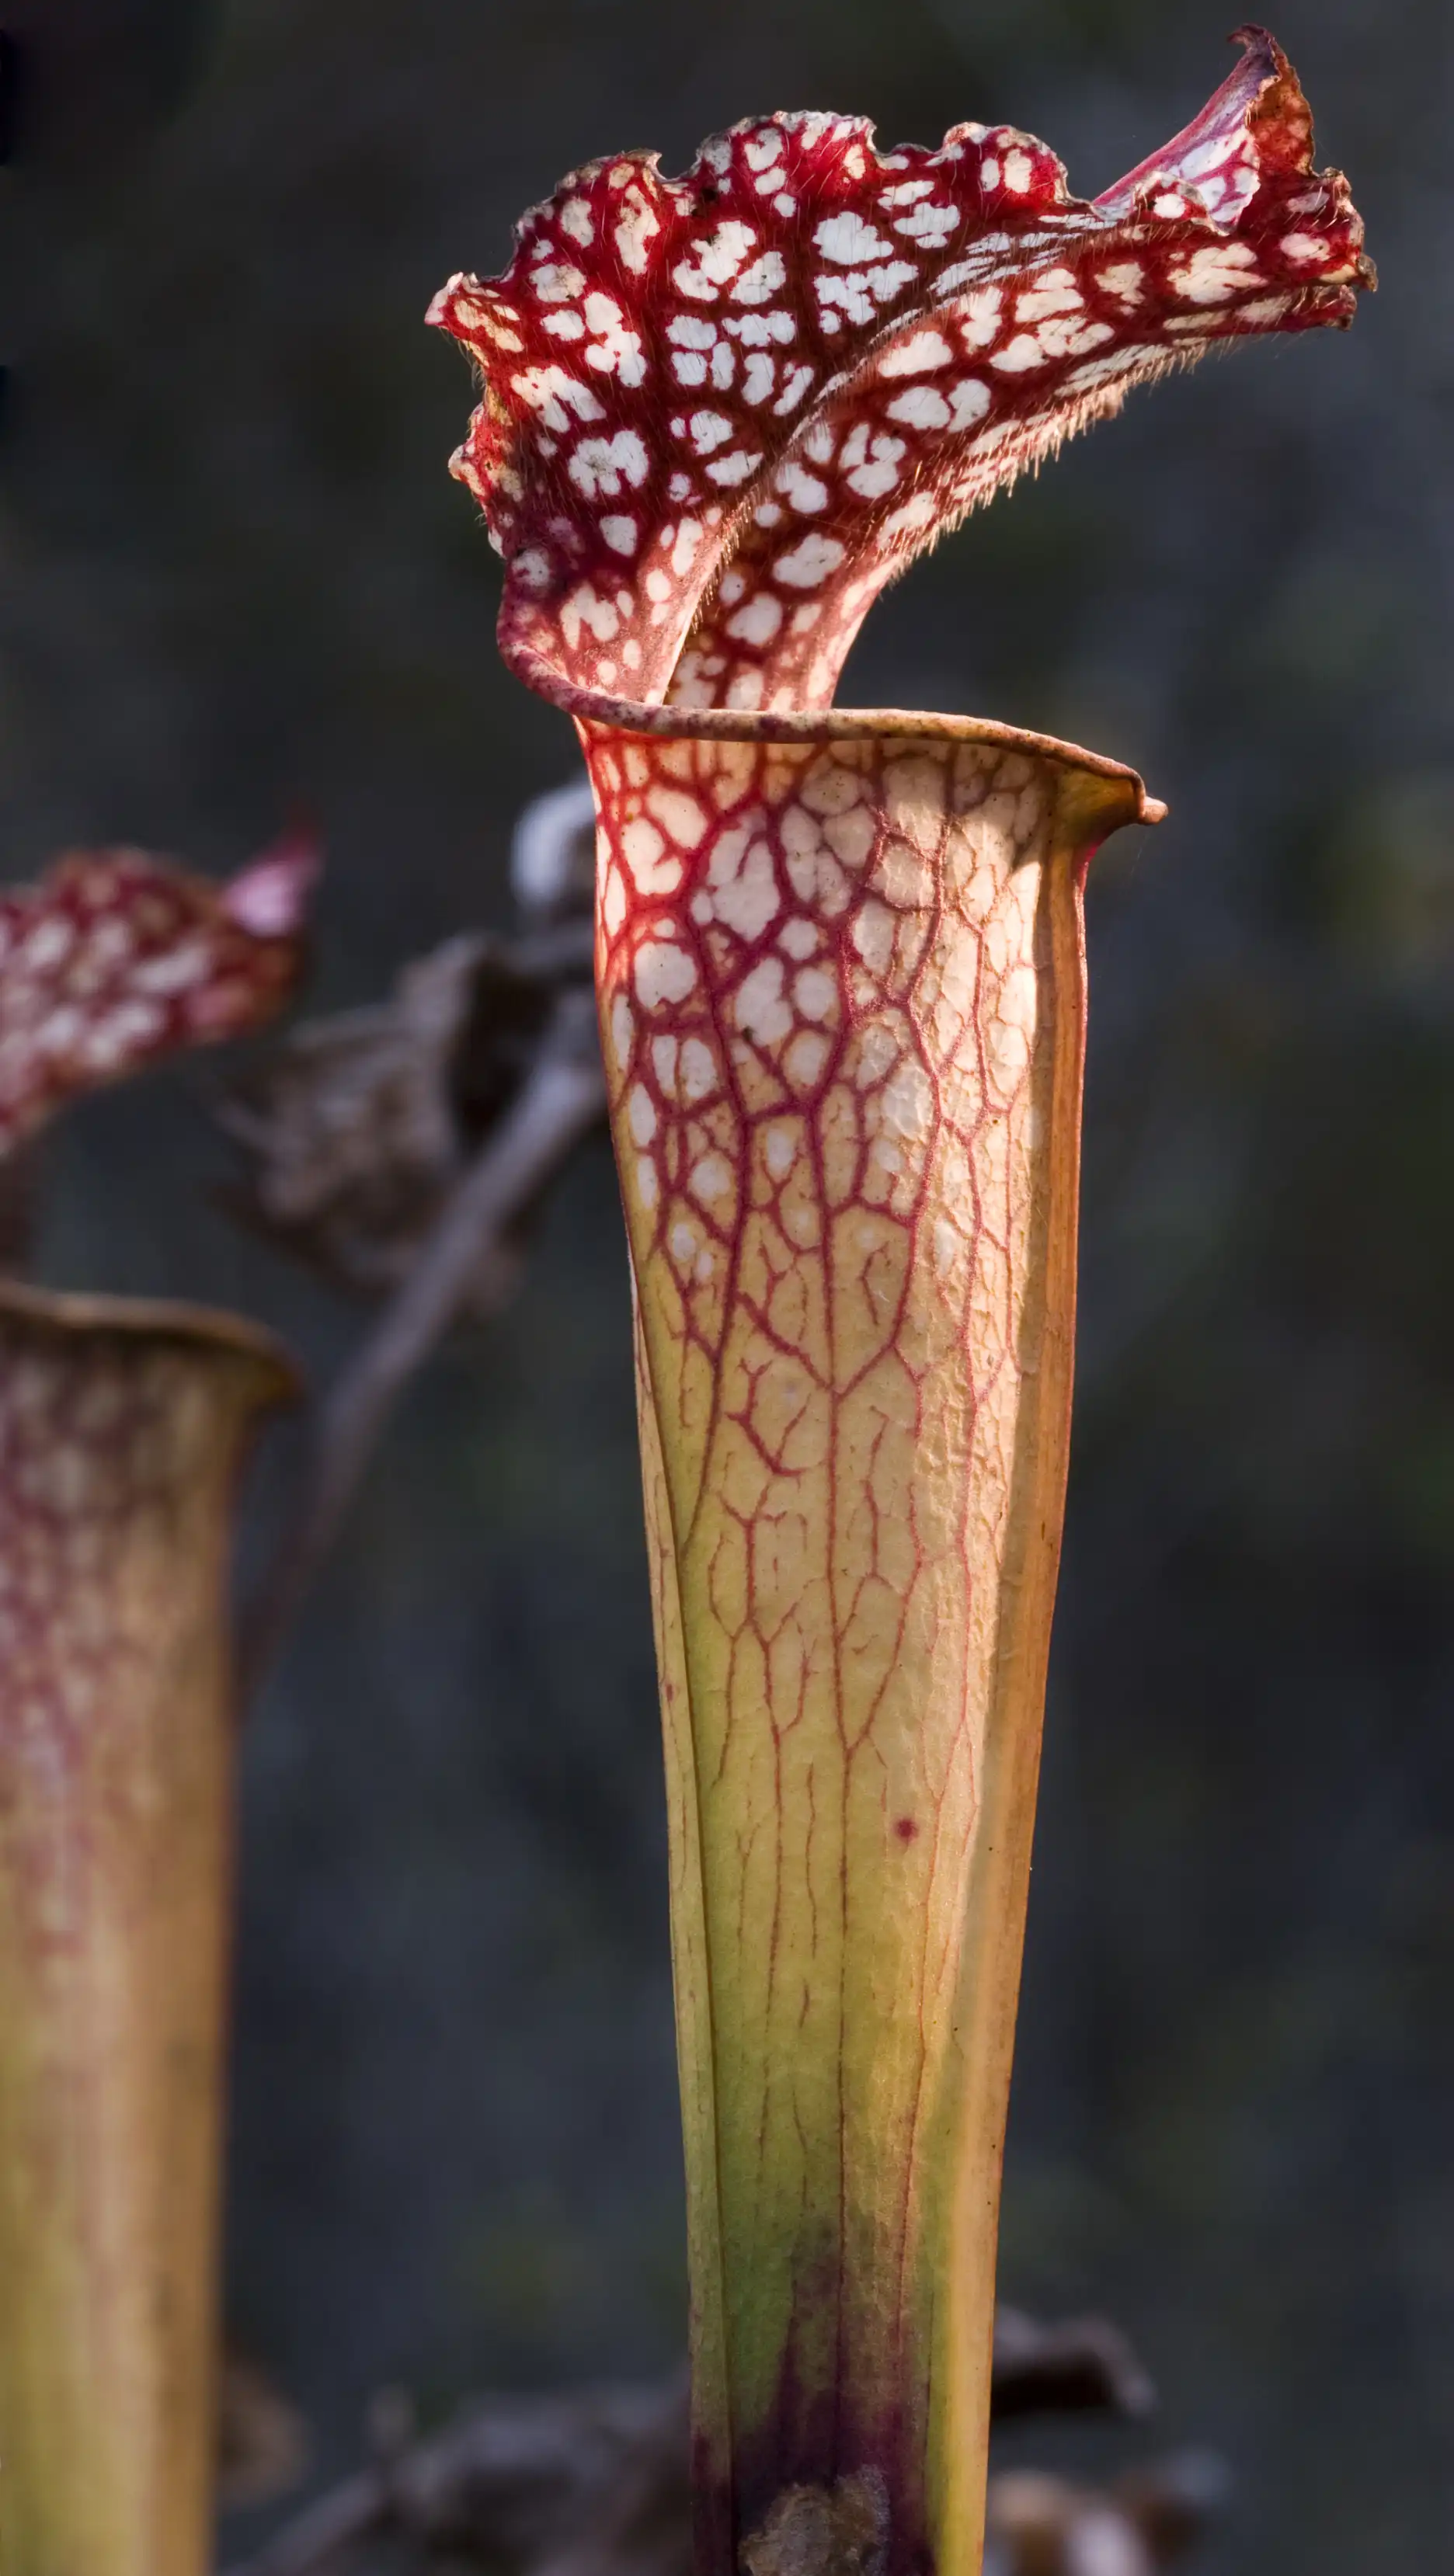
(236, 576)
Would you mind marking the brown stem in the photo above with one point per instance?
(596, 2485)
(563, 1098)
(547, 2483)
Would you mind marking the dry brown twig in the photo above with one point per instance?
(471, 1257)
(523, 2482)
(597, 2484)
(403, 1149)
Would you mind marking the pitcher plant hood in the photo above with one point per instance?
(721, 412)
(116, 958)
(841, 972)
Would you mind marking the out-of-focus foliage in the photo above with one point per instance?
(238, 573)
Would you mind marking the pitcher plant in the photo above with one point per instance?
(841, 970)
(123, 1427)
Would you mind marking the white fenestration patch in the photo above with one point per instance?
(698, 1077)
(844, 298)
(918, 356)
(800, 938)
(621, 534)
(622, 1027)
(849, 241)
(532, 569)
(655, 869)
(735, 468)
(800, 489)
(919, 407)
(758, 622)
(1065, 338)
(764, 278)
(969, 400)
(743, 885)
(1056, 292)
(636, 229)
(804, 1060)
(711, 1179)
(172, 972)
(780, 1152)
(870, 463)
(760, 330)
(1126, 280)
(585, 608)
(615, 350)
(792, 392)
(601, 467)
(761, 1009)
(809, 563)
(52, 940)
(709, 430)
(556, 283)
(1019, 355)
(665, 973)
(1216, 274)
(555, 395)
(679, 814)
(491, 320)
(815, 992)
(979, 320)
(929, 227)
(716, 262)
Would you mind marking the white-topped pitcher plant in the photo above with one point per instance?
(841, 970)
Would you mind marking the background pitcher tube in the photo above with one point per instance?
(122, 1429)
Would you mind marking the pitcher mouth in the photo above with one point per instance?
(592, 710)
(207, 1330)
